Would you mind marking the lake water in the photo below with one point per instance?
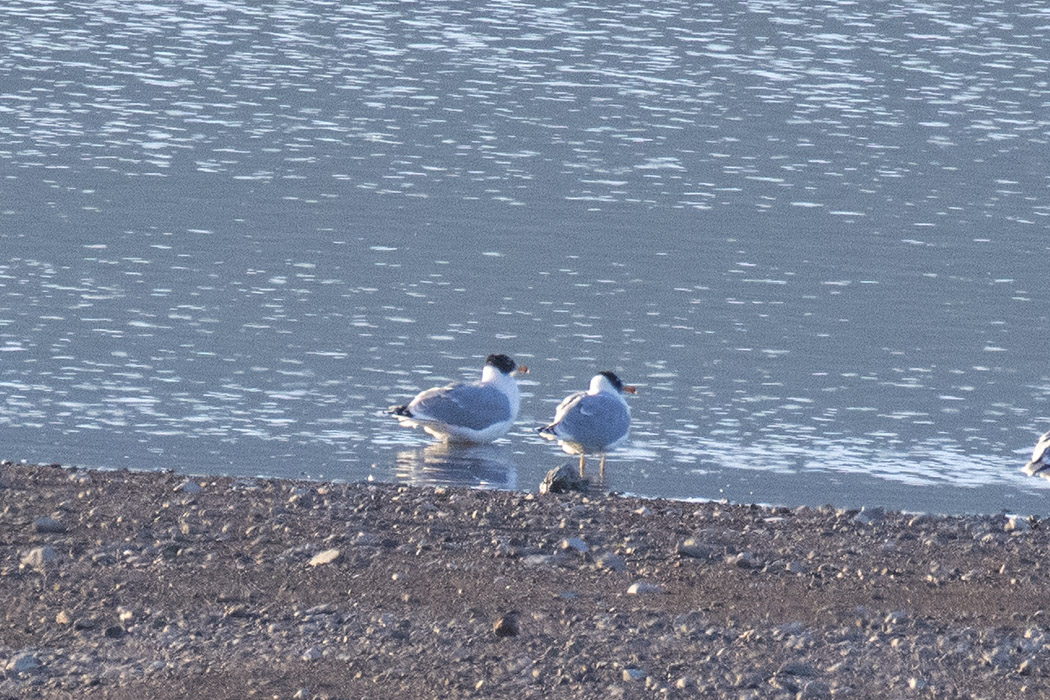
(813, 234)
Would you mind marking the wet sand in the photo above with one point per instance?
(158, 585)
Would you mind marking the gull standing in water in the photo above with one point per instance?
(592, 421)
(1040, 462)
(477, 412)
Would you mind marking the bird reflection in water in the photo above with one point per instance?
(452, 464)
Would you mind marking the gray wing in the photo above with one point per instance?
(467, 405)
(567, 404)
(594, 421)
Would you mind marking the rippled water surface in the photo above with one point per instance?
(813, 234)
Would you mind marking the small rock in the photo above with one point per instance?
(575, 544)
(507, 626)
(786, 683)
(611, 561)
(22, 663)
(1016, 523)
(63, 618)
(40, 558)
(312, 654)
(48, 525)
(815, 690)
(920, 520)
(563, 479)
(744, 560)
(84, 623)
(897, 617)
(870, 516)
(644, 588)
(367, 539)
(697, 550)
(1000, 656)
(189, 487)
(632, 675)
(538, 560)
(301, 694)
(748, 679)
(114, 632)
(797, 668)
(328, 556)
(689, 624)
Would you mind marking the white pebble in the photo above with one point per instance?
(644, 588)
(326, 557)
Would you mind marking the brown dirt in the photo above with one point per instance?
(164, 592)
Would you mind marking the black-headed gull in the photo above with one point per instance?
(477, 412)
(1040, 462)
(592, 421)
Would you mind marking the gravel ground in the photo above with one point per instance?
(156, 585)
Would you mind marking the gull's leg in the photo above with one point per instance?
(601, 467)
(582, 457)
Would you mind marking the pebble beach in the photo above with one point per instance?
(121, 584)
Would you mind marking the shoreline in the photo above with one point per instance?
(154, 584)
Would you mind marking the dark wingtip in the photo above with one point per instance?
(549, 429)
(400, 411)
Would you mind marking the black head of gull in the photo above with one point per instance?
(505, 364)
(617, 382)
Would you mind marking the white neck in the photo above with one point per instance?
(490, 374)
(599, 384)
(505, 383)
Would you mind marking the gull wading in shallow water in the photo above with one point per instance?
(592, 421)
(477, 412)
(1040, 462)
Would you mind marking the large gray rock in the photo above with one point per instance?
(562, 480)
